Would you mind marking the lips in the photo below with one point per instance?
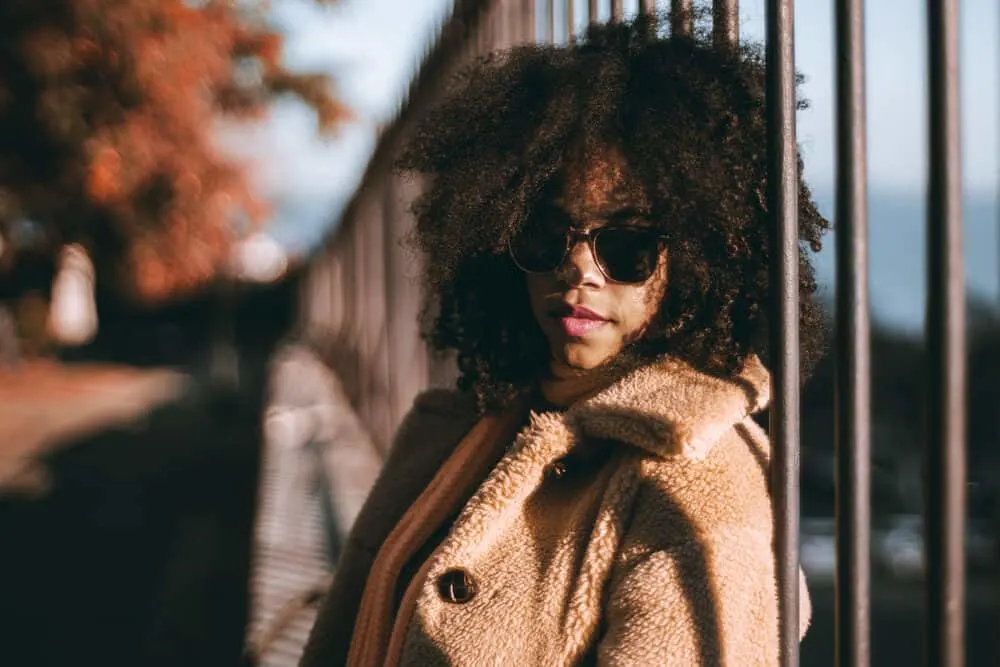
(578, 321)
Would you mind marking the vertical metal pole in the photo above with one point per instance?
(648, 9)
(530, 21)
(482, 33)
(726, 23)
(946, 390)
(996, 509)
(853, 395)
(504, 38)
(782, 197)
(617, 10)
(570, 20)
(681, 18)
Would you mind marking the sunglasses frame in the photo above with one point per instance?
(574, 235)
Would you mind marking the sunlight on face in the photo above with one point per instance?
(587, 317)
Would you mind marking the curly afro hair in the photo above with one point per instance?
(689, 121)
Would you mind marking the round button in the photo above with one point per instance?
(456, 586)
(556, 469)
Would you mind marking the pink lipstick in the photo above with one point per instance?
(580, 321)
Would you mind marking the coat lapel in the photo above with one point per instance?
(584, 606)
(500, 499)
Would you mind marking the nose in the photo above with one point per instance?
(580, 269)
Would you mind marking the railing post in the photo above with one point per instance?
(648, 8)
(530, 21)
(681, 18)
(726, 23)
(946, 389)
(570, 21)
(853, 393)
(782, 198)
(617, 10)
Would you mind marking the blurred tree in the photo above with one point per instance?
(109, 111)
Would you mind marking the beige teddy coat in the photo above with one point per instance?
(633, 529)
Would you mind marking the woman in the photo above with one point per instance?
(595, 490)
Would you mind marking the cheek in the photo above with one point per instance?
(538, 287)
(641, 303)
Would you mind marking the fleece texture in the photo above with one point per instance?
(634, 528)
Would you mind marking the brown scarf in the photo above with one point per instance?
(455, 481)
(378, 638)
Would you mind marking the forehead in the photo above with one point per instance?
(596, 184)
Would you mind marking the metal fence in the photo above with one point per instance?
(511, 21)
(360, 300)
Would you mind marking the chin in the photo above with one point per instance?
(582, 357)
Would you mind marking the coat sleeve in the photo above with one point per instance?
(700, 603)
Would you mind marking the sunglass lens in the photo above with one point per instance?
(539, 248)
(628, 255)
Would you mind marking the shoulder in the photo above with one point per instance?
(436, 422)
(426, 437)
(445, 402)
(680, 499)
(437, 415)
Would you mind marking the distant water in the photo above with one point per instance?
(897, 252)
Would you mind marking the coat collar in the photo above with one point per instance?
(667, 408)
(671, 409)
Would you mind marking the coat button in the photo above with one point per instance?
(456, 586)
(556, 469)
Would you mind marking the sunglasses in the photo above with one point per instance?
(623, 254)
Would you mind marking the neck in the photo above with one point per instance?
(565, 385)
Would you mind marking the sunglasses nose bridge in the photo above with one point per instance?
(580, 264)
(575, 236)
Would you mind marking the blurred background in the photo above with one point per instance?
(314, 300)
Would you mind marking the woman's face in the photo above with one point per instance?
(588, 318)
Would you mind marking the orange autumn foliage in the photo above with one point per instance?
(108, 115)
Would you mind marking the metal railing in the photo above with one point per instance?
(946, 350)
(853, 392)
(783, 201)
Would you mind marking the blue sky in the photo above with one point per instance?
(371, 47)
(896, 89)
